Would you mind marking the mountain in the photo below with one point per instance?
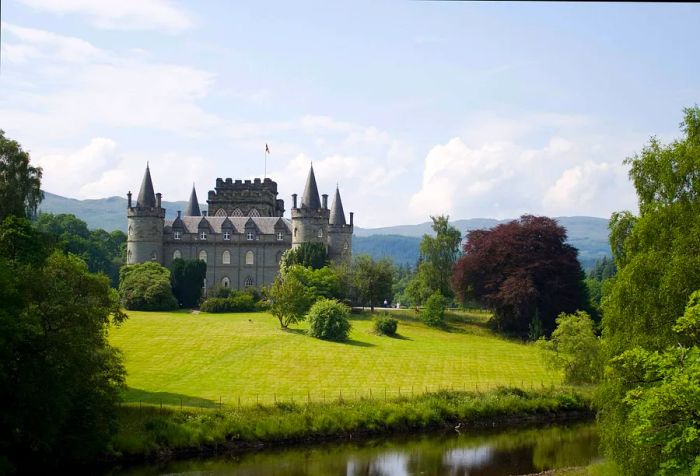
(400, 243)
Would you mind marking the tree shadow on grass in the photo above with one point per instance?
(137, 395)
(357, 343)
(296, 331)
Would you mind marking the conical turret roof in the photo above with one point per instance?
(310, 199)
(337, 213)
(146, 198)
(192, 209)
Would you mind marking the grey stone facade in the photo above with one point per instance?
(243, 242)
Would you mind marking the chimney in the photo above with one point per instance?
(294, 200)
(178, 213)
(158, 197)
(204, 213)
(128, 199)
(325, 201)
(352, 214)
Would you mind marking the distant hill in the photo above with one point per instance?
(400, 243)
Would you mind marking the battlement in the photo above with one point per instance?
(257, 184)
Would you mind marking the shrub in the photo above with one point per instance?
(219, 292)
(386, 325)
(238, 301)
(434, 311)
(146, 287)
(328, 320)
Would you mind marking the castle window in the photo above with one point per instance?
(248, 282)
(295, 232)
(202, 235)
(176, 235)
(177, 254)
(225, 282)
(249, 258)
(154, 256)
(320, 233)
(226, 258)
(131, 231)
(203, 256)
(250, 236)
(227, 235)
(237, 213)
(129, 258)
(253, 212)
(345, 246)
(279, 236)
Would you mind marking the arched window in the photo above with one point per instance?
(248, 282)
(226, 258)
(131, 231)
(220, 212)
(129, 258)
(346, 246)
(249, 257)
(253, 212)
(154, 256)
(177, 254)
(225, 282)
(295, 232)
(203, 256)
(237, 213)
(320, 233)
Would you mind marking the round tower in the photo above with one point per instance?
(310, 219)
(339, 233)
(145, 220)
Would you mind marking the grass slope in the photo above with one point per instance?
(200, 359)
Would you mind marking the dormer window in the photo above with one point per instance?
(176, 235)
(202, 235)
(279, 236)
(227, 235)
(250, 236)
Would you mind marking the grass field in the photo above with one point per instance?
(190, 359)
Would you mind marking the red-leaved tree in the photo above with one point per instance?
(521, 270)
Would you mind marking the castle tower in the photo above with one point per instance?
(192, 209)
(339, 232)
(310, 219)
(145, 220)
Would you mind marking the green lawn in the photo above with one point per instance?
(200, 359)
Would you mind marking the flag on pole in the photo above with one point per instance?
(267, 149)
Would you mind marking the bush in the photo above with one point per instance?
(386, 325)
(238, 301)
(434, 311)
(328, 320)
(146, 287)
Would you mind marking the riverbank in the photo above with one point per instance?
(154, 433)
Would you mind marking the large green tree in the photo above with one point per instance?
(372, 280)
(289, 299)
(656, 254)
(146, 287)
(187, 277)
(438, 255)
(20, 182)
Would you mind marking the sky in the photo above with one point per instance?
(411, 108)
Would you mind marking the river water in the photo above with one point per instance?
(451, 453)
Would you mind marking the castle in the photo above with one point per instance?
(242, 241)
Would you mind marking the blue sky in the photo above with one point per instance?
(413, 108)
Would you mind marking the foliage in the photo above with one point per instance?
(438, 255)
(289, 299)
(237, 301)
(60, 379)
(20, 183)
(187, 281)
(603, 269)
(575, 349)
(535, 330)
(403, 274)
(102, 251)
(372, 280)
(328, 320)
(386, 325)
(146, 287)
(309, 255)
(433, 313)
(323, 282)
(520, 268)
(658, 269)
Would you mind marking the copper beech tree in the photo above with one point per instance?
(524, 271)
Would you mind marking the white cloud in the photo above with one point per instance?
(30, 44)
(159, 15)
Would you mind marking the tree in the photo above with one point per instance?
(188, 281)
(20, 183)
(289, 300)
(146, 287)
(324, 282)
(310, 255)
(328, 320)
(438, 255)
(519, 269)
(372, 280)
(60, 379)
(434, 311)
(656, 254)
(575, 349)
